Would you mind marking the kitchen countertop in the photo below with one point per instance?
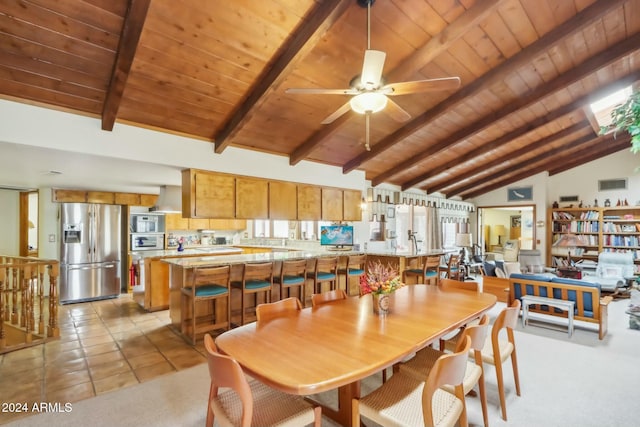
(190, 252)
(191, 262)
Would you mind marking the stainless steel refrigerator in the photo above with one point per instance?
(90, 251)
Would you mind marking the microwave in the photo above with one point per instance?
(147, 241)
(147, 223)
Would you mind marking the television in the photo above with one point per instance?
(336, 235)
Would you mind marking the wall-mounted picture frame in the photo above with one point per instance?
(516, 221)
(391, 212)
(518, 194)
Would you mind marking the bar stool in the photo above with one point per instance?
(256, 278)
(356, 267)
(292, 275)
(429, 271)
(207, 284)
(326, 270)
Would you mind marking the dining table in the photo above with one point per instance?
(337, 344)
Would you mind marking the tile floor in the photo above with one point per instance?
(104, 346)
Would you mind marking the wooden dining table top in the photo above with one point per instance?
(335, 344)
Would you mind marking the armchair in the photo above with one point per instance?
(614, 268)
(531, 261)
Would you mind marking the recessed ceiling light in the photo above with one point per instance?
(52, 173)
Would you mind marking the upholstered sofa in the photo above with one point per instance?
(590, 306)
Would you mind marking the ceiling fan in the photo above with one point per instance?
(370, 90)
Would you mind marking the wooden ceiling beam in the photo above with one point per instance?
(523, 58)
(587, 68)
(128, 44)
(578, 104)
(522, 165)
(595, 154)
(482, 168)
(308, 33)
(426, 53)
(613, 146)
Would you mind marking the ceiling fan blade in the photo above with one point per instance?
(403, 88)
(339, 112)
(320, 91)
(372, 68)
(396, 112)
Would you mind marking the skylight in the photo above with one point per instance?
(602, 108)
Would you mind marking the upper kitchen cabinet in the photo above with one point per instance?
(208, 195)
(283, 201)
(175, 221)
(148, 199)
(252, 198)
(101, 197)
(104, 197)
(332, 204)
(352, 205)
(309, 202)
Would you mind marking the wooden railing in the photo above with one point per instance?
(28, 302)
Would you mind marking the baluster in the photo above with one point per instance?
(3, 338)
(53, 331)
(41, 270)
(14, 296)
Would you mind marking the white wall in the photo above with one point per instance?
(9, 223)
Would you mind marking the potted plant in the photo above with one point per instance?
(626, 118)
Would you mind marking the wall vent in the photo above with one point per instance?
(612, 184)
(568, 199)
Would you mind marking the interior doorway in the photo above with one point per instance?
(28, 245)
(499, 224)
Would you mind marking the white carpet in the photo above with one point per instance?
(580, 381)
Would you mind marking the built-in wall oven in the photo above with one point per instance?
(147, 223)
(147, 241)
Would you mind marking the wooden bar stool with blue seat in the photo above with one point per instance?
(427, 273)
(293, 274)
(207, 284)
(326, 270)
(256, 278)
(356, 267)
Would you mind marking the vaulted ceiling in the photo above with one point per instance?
(218, 70)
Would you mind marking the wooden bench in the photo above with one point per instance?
(528, 300)
(590, 306)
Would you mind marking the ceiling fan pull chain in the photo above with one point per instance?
(367, 117)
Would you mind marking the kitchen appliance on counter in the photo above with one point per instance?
(147, 241)
(90, 248)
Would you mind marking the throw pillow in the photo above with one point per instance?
(536, 269)
(489, 268)
(511, 268)
(500, 265)
(500, 273)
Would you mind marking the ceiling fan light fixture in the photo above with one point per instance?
(368, 102)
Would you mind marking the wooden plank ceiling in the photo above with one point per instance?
(218, 70)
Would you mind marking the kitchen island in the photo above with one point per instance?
(181, 270)
(151, 290)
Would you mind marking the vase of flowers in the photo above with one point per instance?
(380, 281)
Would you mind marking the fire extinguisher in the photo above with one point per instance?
(132, 275)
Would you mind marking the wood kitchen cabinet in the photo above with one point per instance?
(199, 223)
(130, 199)
(227, 224)
(175, 221)
(309, 202)
(208, 195)
(283, 200)
(69, 196)
(105, 197)
(352, 205)
(332, 204)
(252, 198)
(148, 199)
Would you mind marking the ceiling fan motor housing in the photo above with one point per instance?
(366, 3)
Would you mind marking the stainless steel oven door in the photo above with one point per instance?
(147, 241)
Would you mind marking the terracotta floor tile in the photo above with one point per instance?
(66, 380)
(123, 335)
(71, 394)
(101, 348)
(150, 372)
(161, 334)
(60, 368)
(99, 372)
(115, 382)
(61, 346)
(146, 359)
(88, 342)
(27, 353)
(101, 359)
(63, 356)
(18, 366)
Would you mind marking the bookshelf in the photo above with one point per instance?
(615, 229)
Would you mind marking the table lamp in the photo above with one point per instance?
(570, 241)
(500, 231)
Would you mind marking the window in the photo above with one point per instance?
(261, 228)
(280, 229)
(449, 231)
(602, 108)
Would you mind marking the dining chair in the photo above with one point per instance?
(496, 351)
(451, 269)
(448, 340)
(424, 360)
(428, 272)
(235, 401)
(326, 270)
(356, 267)
(325, 297)
(293, 274)
(271, 310)
(256, 278)
(207, 284)
(405, 400)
